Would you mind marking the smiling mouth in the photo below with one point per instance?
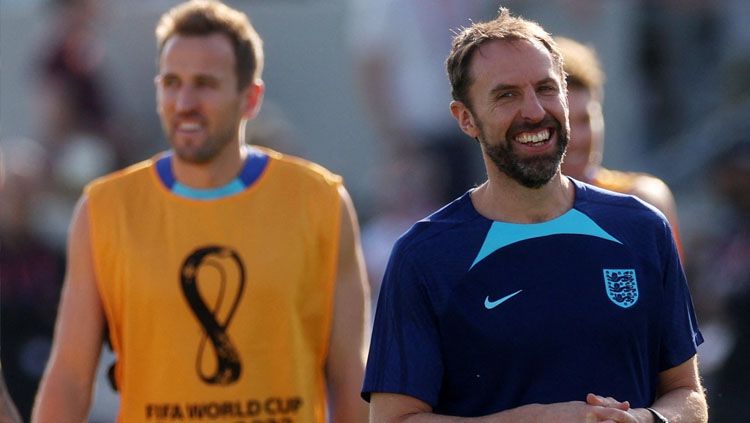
(189, 127)
(534, 138)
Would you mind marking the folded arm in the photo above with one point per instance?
(680, 396)
(395, 408)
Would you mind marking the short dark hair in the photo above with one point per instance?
(503, 27)
(206, 17)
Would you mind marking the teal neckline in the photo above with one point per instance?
(254, 166)
(502, 234)
(233, 187)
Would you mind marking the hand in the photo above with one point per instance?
(592, 399)
(610, 403)
(581, 412)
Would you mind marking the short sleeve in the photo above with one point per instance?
(680, 334)
(405, 353)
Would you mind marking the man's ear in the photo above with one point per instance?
(253, 98)
(465, 118)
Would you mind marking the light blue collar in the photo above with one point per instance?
(254, 166)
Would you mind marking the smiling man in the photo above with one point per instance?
(229, 277)
(533, 297)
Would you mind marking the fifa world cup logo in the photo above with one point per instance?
(213, 279)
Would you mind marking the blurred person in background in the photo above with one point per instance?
(31, 272)
(228, 277)
(72, 144)
(73, 141)
(720, 270)
(71, 72)
(76, 122)
(8, 411)
(583, 159)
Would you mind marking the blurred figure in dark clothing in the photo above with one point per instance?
(722, 285)
(8, 411)
(75, 122)
(71, 72)
(31, 272)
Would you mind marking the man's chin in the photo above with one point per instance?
(537, 183)
(538, 174)
(192, 157)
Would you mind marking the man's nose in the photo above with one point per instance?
(532, 109)
(187, 98)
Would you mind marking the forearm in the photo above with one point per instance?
(396, 408)
(61, 399)
(348, 410)
(683, 405)
(64, 395)
(8, 412)
(681, 398)
(527, 413)
(344, 380)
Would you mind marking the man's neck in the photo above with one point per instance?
(503, 199)
(216, 173)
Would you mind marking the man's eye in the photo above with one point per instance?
(169, 82)
(548, 89)
(206, 83)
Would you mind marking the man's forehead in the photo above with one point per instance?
(514, 58)
(209, 55)
(208, 48)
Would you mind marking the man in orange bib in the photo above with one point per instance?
(229, 277)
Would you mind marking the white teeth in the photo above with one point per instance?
(188, 126)
(528, 138)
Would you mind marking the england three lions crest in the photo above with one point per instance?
(622, 286)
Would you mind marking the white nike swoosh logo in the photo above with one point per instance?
(489, 305)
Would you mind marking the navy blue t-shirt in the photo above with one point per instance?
(477, 316)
